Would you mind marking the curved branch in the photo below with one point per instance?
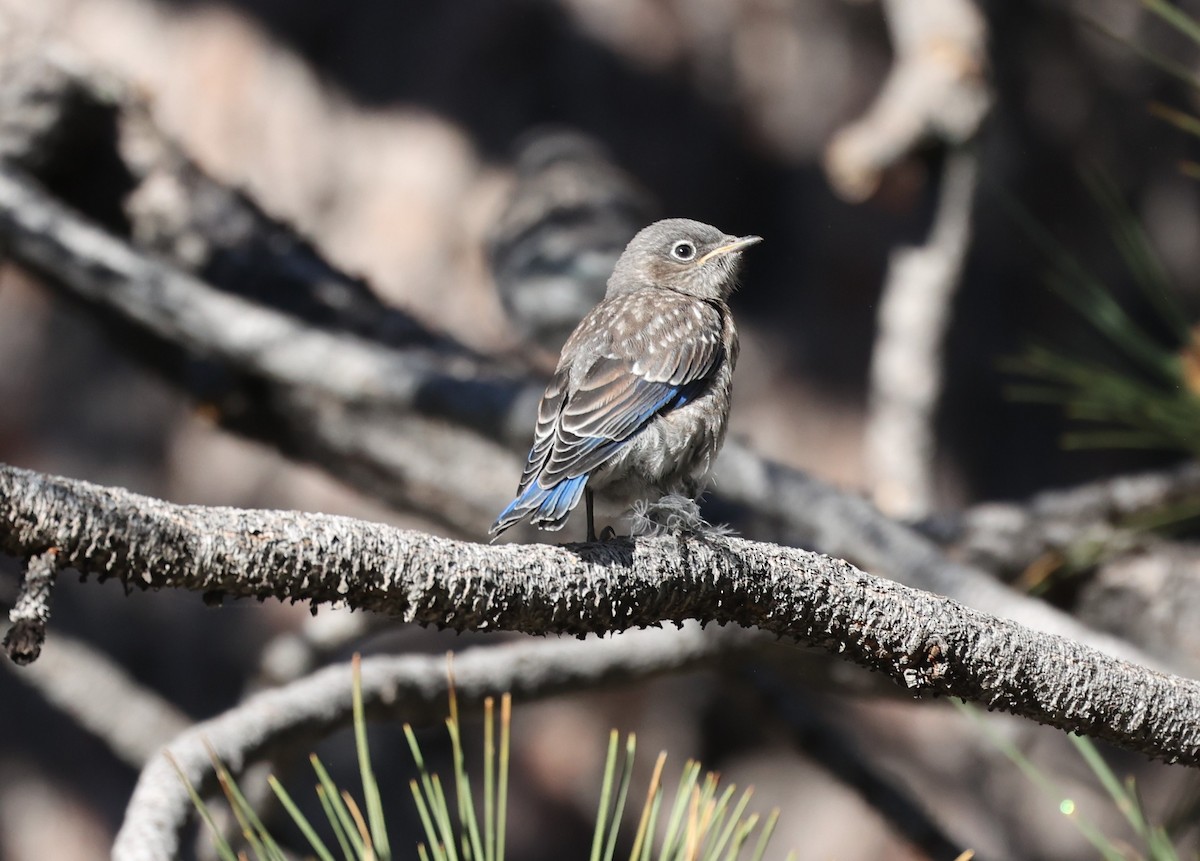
(806, 512)
(928, 644)
(103, 698)
(372, 415)
(434, 427)
(23, 641)
(936, 88)
(1007, 537)
(411, 686)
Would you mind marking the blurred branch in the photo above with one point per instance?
(367, 413)
(906, 360)
(1150, 597)
(827, 743)
(59, 114)
(295, 653)
(1144, 587)
(413, 687)
(1007, 537)
(936, 89)
(928, 644)
(797, 509)
(147, 217)
(131, 719)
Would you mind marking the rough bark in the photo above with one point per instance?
(928, 644)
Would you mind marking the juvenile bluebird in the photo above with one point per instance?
(638, 405)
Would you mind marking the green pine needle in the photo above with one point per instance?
(502, 780)
(610, 767)
(306, 828)
(222, 845)
(706, 823)
(1182, 120)
(431, 831)
(338, 831)
(1124, 799)
(763, 839)
(374, 804)
(261, 842)
(691, 772)
(341, 813)
(489, 777)
(1136, 249)
(1160, 61)
(610, 848)
(1175, 17)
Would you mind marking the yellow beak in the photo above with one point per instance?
(730, 248)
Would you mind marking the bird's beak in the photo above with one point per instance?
(730, 248)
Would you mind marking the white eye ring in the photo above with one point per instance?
(684, 251)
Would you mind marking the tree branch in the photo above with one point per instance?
(1006, 537)
(57, 111)
(936, 88)
(336, 399)
(906, 359)
(928, 644)
(101, 697)
(809, 513)
(29, 616)
(413, 687)
(391, 438)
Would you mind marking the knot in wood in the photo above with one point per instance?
(925, 665)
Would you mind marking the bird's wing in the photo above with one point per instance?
(659, 358)
(640, 354)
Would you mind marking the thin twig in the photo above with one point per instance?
(31, 613)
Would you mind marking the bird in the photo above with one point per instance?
(571, 212)
(639, 402)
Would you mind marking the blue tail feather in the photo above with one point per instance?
(565, 497)
(549, 506)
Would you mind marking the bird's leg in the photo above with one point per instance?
(587, 496)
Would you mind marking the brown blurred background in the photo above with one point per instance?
(384, 130)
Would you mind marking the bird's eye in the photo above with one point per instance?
(683, 251)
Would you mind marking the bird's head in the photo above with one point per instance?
(682, 255)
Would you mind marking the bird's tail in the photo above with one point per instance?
(546, 507)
